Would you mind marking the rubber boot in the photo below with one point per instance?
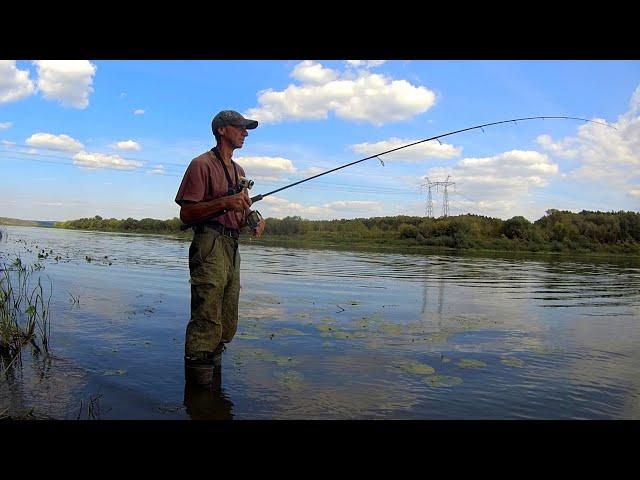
(199, 370)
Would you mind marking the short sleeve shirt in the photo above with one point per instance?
(205, 180)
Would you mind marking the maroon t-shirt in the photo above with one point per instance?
(205, 180)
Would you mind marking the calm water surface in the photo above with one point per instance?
(332, 335)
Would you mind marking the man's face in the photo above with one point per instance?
(235, 135)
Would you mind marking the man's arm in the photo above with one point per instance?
(191, 212)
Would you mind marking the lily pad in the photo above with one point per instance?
(437, 337)
(470, 363)
(438, 381)
(390, 328)
(512, 362)
(290, 380)
(415, 368)
(290, 332)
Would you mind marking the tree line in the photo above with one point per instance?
(586, 231)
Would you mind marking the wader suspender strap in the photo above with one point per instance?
(230, 190)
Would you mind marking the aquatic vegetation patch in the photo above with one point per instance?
(391, 329)
(24, 312)
(415, 368)
(438, 381)
(438, 337)
(470, 363)
(247, 336)
(289, 332)
(512, 361)
(291, 380)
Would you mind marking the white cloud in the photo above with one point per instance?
(421, 152)
(7, 143)
(100, 160)
(14, 84)
(157, 170)
(139, 111)
(351, 205)
(123, 94)
(5, 125)
(266, 168)
(365, 63)
(128, 145)
(367, 97)
(54, 142)
(310, 172)
(68, 81)
(603, 154)
(497, 185)
(310, 72)
(278, 207)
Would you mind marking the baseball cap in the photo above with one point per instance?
(231, 117)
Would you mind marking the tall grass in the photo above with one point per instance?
(24, 312)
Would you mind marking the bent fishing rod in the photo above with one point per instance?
(257, 198)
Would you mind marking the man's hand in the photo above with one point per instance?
(239, 202)
(260, 228)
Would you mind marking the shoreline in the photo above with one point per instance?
(304, 243)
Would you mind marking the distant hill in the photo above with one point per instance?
(26, 223)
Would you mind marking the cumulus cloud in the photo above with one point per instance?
(421, 152)
(603, 153)
(278, 207)
(14, 84)
(128, 145)
(497, 185)
(350, 205)
(68, 81)
(5, 125)
(310, 172)
(310, 72)
(266, 168)
(139, 111)
(100, 160)
(365, 63)
(366, 97)
(54, 142)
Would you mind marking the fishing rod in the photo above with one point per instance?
(257, 198)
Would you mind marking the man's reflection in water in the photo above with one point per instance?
(208, 402)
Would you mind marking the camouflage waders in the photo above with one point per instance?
(214, 263)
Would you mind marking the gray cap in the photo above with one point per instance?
(231, 117)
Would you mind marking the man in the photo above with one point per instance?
(214, 260)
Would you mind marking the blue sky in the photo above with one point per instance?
(113, 138)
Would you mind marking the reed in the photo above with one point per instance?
(25, 308)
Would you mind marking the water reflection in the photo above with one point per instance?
(208, 402)
(321, 333)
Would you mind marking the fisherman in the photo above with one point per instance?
(208, 186)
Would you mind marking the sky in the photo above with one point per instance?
(80, 138)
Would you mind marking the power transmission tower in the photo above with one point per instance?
(429, 198)
(445, 196)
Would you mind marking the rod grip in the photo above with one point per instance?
(257, 198)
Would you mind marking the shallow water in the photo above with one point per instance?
(332, 335)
